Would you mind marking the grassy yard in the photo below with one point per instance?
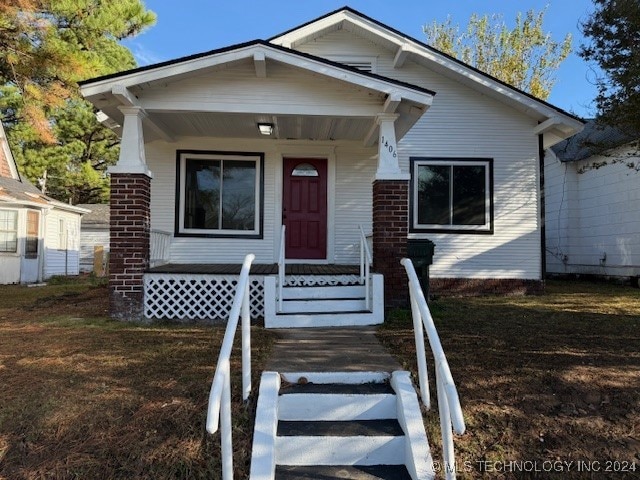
(548, 378)
(84, 397)
(552, 378)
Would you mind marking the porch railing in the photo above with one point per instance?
(450, 411)
(281, 267)
(160, 242)
(219, 408)
(365, 266)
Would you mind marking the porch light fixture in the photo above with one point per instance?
(265, 128)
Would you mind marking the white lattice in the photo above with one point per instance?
(321, 280)
(196, 296)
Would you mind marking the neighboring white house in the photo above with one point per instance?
(94, 233)
(339, 123)
(39, 236)
(592, 204)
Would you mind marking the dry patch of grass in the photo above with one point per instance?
(542, 378)
(87, 397)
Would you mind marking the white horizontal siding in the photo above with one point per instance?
(354, 171)
(463, 123)
(284, 90)
(593, 215)
(61, 259)
(89, 239)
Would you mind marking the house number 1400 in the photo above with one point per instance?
(386, 144)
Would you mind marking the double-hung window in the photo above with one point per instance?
(8, 231)
(220, 194)
(452, 195)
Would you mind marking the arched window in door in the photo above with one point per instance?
(304, 170)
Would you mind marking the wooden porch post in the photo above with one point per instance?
(130, 221)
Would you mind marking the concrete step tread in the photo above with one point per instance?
(353, 428)
(336, 388)
(349, 472)
(322, 314)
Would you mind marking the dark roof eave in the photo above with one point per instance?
(436, 51)
(250, 44)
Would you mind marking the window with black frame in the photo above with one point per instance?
(220, 194)
(452, 195)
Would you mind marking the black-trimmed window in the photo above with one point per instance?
(451, 195)
(219, 193)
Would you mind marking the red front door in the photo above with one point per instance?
(304, 207)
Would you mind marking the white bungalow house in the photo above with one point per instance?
(39, 236)
(592, 194)
(340, 126)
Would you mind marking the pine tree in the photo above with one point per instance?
(46, 47)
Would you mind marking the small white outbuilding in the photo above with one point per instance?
(39, 236)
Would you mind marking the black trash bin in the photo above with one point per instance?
(420, 252)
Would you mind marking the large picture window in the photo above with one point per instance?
(8, 231)
(452, 195)
(220, 194)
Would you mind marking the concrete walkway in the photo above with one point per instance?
(330, 350)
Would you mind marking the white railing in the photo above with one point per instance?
(281, 267)
(365, 265)
(160, 242)
(450, 411)
(219, 408)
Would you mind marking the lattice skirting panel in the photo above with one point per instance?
(197, 297)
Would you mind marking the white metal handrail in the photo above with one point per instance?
(281, 267)
(365, 265)
(450, 411)
(219, 408)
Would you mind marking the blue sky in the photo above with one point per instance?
(191, 26)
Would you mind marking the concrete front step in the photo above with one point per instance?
(317, 292)
(316, 450)
(319, 320)
(324, 305)
(338, 407)
(359, 425)
(348, 472)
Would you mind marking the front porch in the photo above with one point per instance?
(308, 294)
(256, 269)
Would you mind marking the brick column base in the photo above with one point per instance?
(129, 249)
(390, 228)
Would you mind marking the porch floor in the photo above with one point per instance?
(256, 269)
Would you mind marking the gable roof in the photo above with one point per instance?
(98, 216)
(15, 191)
(432, 57)
(199, 61)
(8, 167)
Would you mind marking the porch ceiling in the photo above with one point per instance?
(286, 127)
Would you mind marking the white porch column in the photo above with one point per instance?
(132, 157)
(388, 165)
